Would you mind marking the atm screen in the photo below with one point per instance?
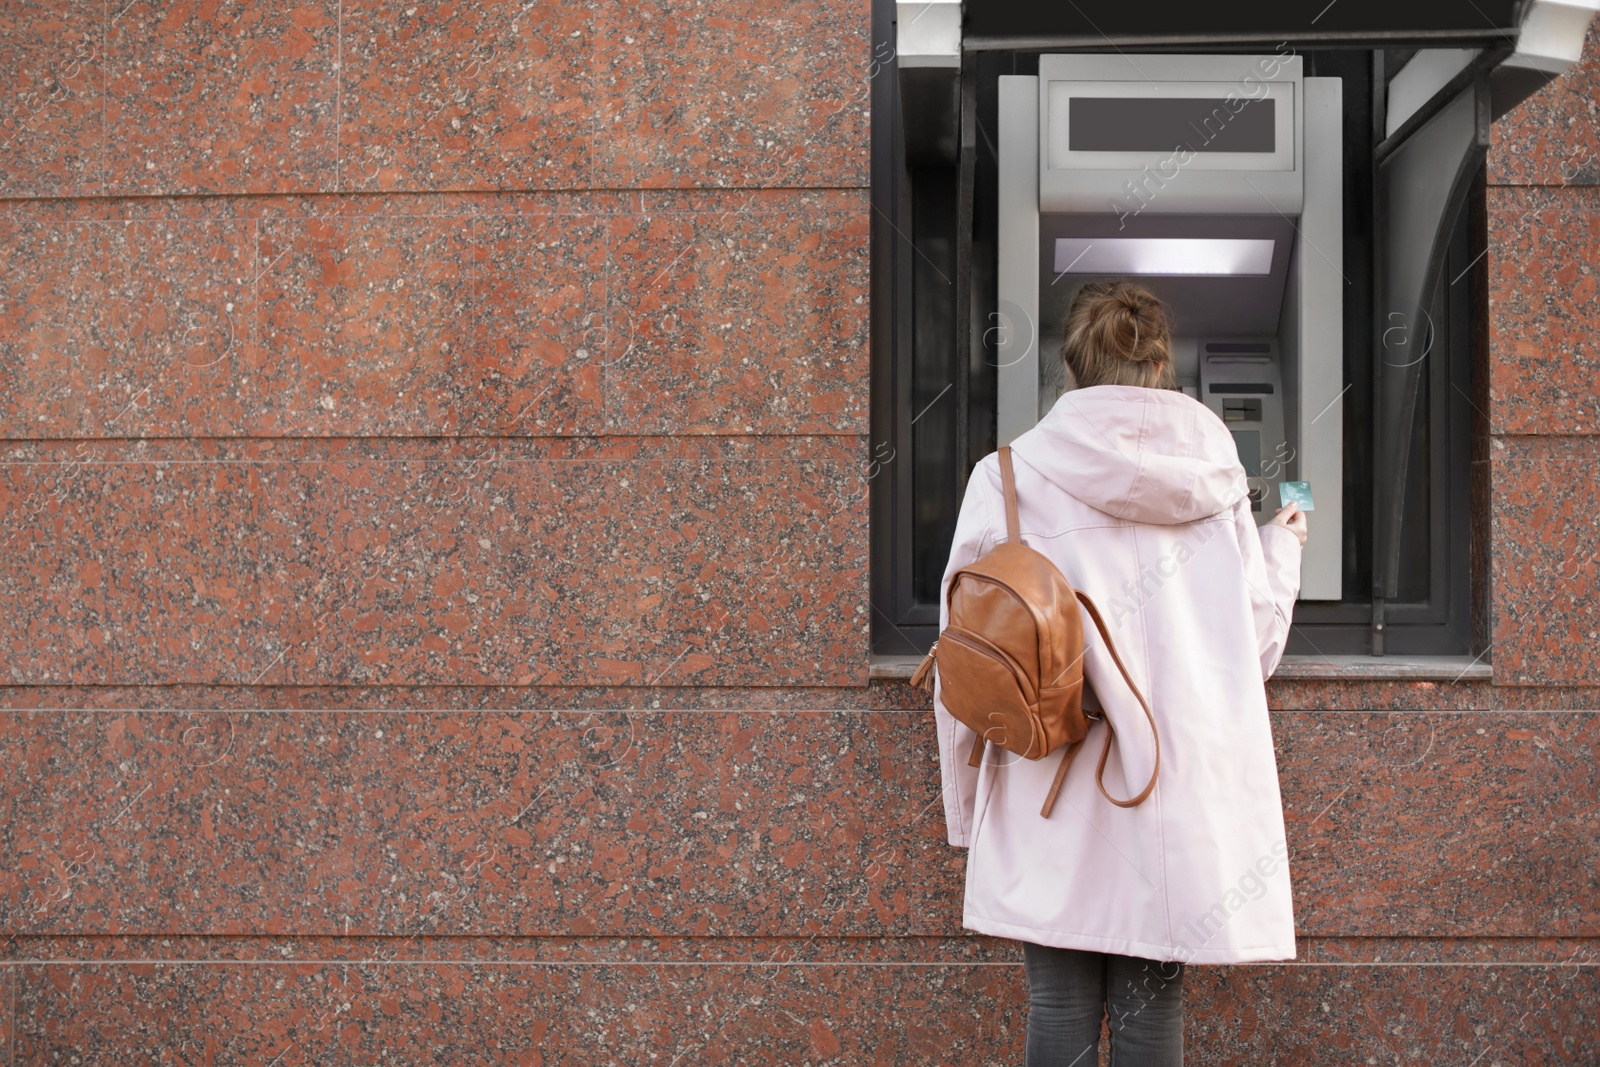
(1248, 442)
(1161, 124)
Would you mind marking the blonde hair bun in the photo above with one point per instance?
(1117, 334)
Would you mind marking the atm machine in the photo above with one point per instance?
(1215, 182)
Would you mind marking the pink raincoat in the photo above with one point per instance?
(1137, 495)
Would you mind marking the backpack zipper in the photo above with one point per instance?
(978, 644)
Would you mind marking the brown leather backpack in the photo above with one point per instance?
(1011, 661)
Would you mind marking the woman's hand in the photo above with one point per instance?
(1291, 518)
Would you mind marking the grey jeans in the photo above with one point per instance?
(1070, 992)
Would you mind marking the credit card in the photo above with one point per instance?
(1295, 493)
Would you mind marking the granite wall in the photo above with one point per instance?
(433, 592)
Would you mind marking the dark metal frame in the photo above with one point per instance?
(1050, 25)
(1446, 619)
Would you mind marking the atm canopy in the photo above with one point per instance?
(1008, 23)
(1523, 43)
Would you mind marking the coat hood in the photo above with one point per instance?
(1146, 455)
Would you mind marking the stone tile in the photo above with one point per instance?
(416, 825)
(1442, 825)
(533, 315)
(294, 1014)
(1303, 695)
(61, 324)
(899, 695)
(552, 1014)
(1299, 694)
(1332, 1016)
(1546, 574)
(1315, 694)
(748, 318)
(541, 332)
(228, 97)
(1546, 698)
(51, 136)
(138, 571)
(1544, 329)
(8, 1019)
(482, 571)
(467, 698)
(662, 824)
(1570, 953)
(368, 316)
(478, 95)
(814, 948)
(732, 94)
(1553, 137)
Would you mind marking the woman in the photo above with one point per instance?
(1136, 493)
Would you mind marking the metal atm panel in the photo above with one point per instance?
(1239, 231)
(1240, 379)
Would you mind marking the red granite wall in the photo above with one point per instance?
(1544, 230)
(434, 577)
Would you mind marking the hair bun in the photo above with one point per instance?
(1125, 323)
(1117, 323)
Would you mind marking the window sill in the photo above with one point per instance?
(1386, 668)
(1329, 668)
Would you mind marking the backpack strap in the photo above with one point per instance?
(1105, 749)
(1061, 776)
(1008, 481)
